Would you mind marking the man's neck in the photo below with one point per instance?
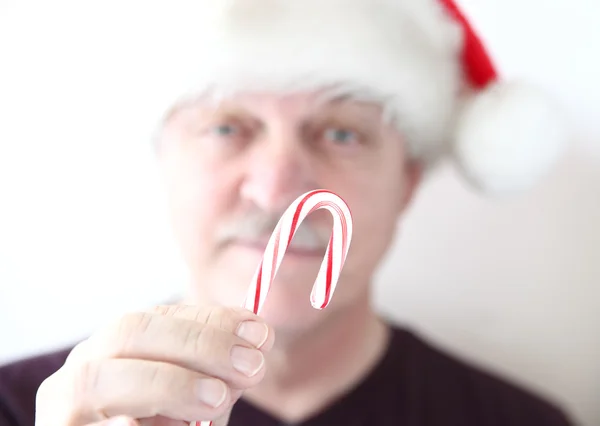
(309, 372)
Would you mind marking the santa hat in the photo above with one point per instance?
(420, 58)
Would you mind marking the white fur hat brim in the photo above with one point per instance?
(406, 54)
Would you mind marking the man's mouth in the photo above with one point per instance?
(293, 249)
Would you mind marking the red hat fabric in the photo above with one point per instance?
(478, 65)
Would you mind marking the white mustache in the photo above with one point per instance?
(257, 228)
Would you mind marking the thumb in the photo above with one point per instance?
(221, 421)
(163, 421)
(224, 419)
(116, 421)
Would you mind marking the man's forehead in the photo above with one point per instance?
(307, 102)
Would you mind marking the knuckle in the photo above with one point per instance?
(122, 337)
(89, 385)
(167, 310)
(216, 316)
(118, 338)
(86, 378)
(227, 318)
(75, 385)
(136, 322)
(167, 378)
(202, 340)
(156, 378)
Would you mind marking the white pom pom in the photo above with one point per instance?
(508, 137)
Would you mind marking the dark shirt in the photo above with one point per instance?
(415, 384)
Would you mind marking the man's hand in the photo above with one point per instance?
(169, 366)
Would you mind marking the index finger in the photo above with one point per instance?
(230, 319)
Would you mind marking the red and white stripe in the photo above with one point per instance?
(333, 262)
(334, 259)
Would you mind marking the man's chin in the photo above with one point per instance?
(292, 318)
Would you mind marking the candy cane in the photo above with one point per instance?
(282, 236)
(335, 256)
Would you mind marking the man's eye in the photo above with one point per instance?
(341, 136)
(225, 130)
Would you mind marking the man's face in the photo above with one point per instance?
(232, 169)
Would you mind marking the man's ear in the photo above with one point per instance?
(412, 179)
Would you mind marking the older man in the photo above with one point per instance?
(275, 98)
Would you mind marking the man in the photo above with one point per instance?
(361, 97)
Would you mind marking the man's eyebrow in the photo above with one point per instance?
(328, 99)
(347, 104)
(205, 108)
(344, 98)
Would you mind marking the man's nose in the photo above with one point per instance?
(276, 175)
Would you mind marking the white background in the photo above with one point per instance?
(513, 284)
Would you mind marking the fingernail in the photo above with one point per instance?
(246, 361)
(253, 332)
(211, 391)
